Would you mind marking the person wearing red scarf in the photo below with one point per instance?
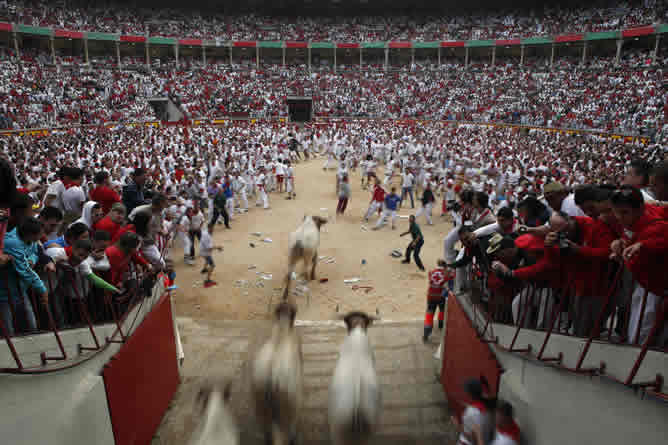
(507, 431)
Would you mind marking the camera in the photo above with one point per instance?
(563, 244)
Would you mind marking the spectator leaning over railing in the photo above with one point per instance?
(643, 247)
(21, 246)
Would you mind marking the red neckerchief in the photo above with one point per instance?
(68, 184)
(511, 430)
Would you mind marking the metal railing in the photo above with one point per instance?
(539, 308)
(73, 303)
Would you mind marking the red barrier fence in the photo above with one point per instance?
(141, 379)
(465, 356)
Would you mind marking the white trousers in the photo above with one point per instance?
(648, 319)
(185, 240)
(387, 213)
(243, 199)
(373, 207)
(542, 299)
(229, 206)
(427, 211)
(262, 198)
(329, 158)
(288, 185)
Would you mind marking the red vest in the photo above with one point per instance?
(437, 280)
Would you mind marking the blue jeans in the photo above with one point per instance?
(25, 316)
(407, 191)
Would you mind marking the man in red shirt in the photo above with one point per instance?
(121, 254)
(103, 193)
(377, 200)
(643, 248)
(113, 222)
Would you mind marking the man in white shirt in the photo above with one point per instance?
(559, 198)
(262, 198)
(407, 187)
(73, 197)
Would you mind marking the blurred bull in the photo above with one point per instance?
(217, 425)
(277, 381)
(354, 394)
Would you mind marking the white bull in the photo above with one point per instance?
(217, 425)
(277, 381)
(303, 244)
(354, 394)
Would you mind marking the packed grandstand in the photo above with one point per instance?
(50, 77)
(537, 139)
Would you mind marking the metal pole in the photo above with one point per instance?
(584, 53)
(466, 59)
(493, 55)
(257, 57)
(619, 51)
(361, 62)
(118, 54)
(176, 54)
(230, 54)
(552, 56)
(309, 58)
(412, 56)
(387, 58)
(53, 50)
(439, 56)
(656, 49)
(522, 55)
(203, 55)
(335, 57)
(283, 55)
(148, 55)
(86, 51)
(16, 47)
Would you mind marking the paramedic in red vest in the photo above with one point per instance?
(436, 295)
(643, 248)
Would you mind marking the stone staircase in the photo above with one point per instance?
(414, 406)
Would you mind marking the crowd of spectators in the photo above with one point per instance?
(503, 24)
(627, 98)
(79, 171)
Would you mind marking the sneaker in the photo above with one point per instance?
(189, 262)
(421, 268)
(405, 262)
(425, 339)
(203, 270)
(208, 284)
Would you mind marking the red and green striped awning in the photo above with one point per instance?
(190, 42)
(453, 44)
(68, 34)
(638, 32)
(399, 45)
(567, 38)
(245, 44)
(157, 40)
(508, 42)
(133, 39)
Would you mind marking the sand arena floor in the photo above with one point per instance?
(249, 278)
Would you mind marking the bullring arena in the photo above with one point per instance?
(217, 339)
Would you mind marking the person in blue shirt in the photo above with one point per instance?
(21, 245)
(392, 201)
